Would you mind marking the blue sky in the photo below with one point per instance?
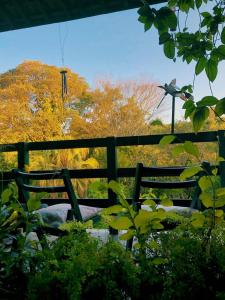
(108, 46)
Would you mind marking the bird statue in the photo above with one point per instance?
(174, 91)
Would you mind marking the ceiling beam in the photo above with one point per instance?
(16, 14)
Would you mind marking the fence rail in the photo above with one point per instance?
(112, 172)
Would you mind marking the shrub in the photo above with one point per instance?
(80, 267)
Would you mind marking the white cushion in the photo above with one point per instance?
(55, 215)
(171, 208)
(103, 235)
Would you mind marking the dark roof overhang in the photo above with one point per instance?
(17, 14)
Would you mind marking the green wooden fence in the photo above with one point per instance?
(112, 172)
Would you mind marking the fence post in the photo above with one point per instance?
(221, 141)
(112, 171)
(23, 155)
(23, 161)
(111, 165)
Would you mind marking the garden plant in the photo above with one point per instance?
(186, 262)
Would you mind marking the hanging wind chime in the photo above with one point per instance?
(64, 88)
(63, 72)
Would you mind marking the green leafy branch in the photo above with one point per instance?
(141, 223)
(204, 46)
(211, 196)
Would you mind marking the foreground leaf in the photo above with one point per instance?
(198, 220)
(187, 173)
(205, 183)
(166, 140)
(169, 49)
(121, 223)
(199, 117)
(207, 101)
(191, 148)
(219, 213)
(166, 202)
(223, 36)
(200, 66)
(177, 150)
(211, 69)
(150, 202)
(220, 107)
(206, 199)
(128, 235)
(115, 209)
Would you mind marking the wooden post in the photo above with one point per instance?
(112, 172)
(221, 141)
(23, 161)
(112, 165)
(23, 155)
(173, 115)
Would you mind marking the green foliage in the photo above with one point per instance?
(80, 267)
(220, 107)
(207, 101)
(169, 48)
(97, 190)
(211, 69)
(76, 226)
(191, 148)
(190, 172)
(157, 122)
(34, 201)
(162, 266)
(189, 107)
(200, 66)
(166, 140)
(189, 268)
(16, 253)
(138, 223)
(202, 44)
(199, 117)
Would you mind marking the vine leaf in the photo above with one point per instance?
(166, 202)
(169, 49)
(187, 173)
(207, 101)
(166, 140)
(223, 36)
(191, 148)
(177, 150)
(220, 107)
(211, 69)
(172, 20)
(219, 213)
(220, 51)
(205, 183)
(200, 66)
(128, 235)
(198, 3)
(115, 209)
(164, 37)
(121, 223)
(199, 117)
(189, 107)
(220, 202)
(198, 220)
(206, 199)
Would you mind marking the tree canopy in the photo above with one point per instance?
(30, 97)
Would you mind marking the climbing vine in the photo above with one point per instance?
(203, 45)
